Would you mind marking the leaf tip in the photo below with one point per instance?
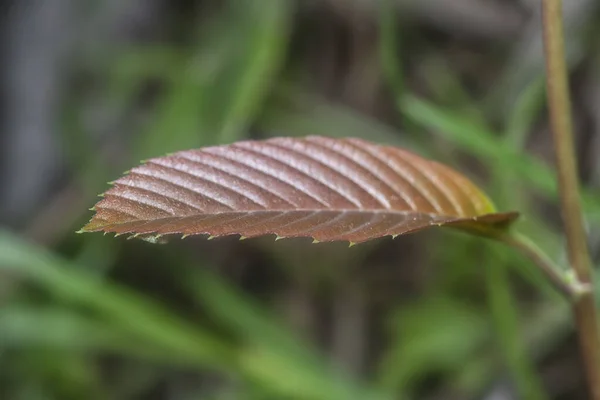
(243, 237)
(210, 237)
(277, 237)
(315, 241)
(185, 235)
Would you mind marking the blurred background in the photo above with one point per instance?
(89, 88)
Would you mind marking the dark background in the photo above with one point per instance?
(90, 88)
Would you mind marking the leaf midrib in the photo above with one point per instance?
(440, 217)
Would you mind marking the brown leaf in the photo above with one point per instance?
(324, 188)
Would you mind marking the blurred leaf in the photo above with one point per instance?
(488, 146)
(388, 46)
(129, 312)
(137, 64)
(65, 330)
(476, 139)
(274, 353)
(265, 31)
(156, 331)
(53, 374)
(327, 189)
(214, 95)
(437, 334)
(504, 311)
(298, 112)
(177, 121)
(99, 254)
(446, 87)
(527, 108)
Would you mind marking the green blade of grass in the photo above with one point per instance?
(68, 331)
(273, 353)
(298, 112)
(130, 312)
(485, 144)
(264, 41)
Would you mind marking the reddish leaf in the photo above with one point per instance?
(327, 189)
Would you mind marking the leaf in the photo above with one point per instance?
(324, 188)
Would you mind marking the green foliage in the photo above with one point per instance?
(436, 334)
(123, 322)
(214, 89)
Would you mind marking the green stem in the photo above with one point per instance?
(560, 280)
(584, 308)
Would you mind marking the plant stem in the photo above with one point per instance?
(571, 290)
(584, 308)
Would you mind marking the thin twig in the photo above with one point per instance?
(559, 279)
(584, 308)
